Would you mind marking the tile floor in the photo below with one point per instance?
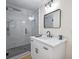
(17, 51)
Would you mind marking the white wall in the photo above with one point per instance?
(66, 22)
(17, 35)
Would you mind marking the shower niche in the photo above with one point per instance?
(53, 19)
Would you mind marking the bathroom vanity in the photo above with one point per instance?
(47, 48)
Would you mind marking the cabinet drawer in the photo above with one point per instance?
(46, 52)
(40, 50)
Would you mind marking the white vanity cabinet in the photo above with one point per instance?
(40, 50)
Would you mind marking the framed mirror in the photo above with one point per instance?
(53, 19)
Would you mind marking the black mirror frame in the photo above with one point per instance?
(60, 19)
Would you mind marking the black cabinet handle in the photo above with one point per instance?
(45, 48)
(36, 50)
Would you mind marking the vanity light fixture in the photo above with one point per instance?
(49, 3)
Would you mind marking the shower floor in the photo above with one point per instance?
(26, 55)
(17, 50)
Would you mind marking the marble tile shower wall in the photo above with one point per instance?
(17, 34)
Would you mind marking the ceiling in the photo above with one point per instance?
(27, 4)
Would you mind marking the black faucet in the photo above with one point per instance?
(49, 35)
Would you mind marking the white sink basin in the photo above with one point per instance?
(54, 41)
